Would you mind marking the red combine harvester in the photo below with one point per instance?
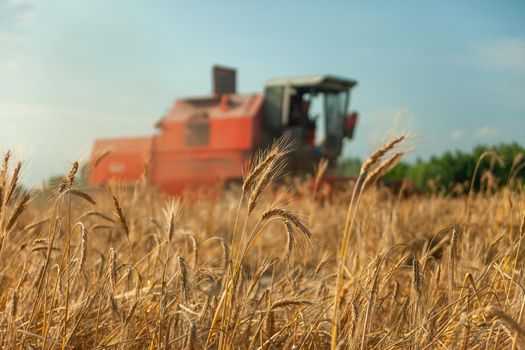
(206, 140)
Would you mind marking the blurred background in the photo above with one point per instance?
(452, 74)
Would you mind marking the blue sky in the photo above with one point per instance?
(450, 73)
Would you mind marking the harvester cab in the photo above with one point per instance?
(314, 111)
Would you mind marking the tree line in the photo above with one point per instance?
(452, 171)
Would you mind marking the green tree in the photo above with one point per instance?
(457, 167)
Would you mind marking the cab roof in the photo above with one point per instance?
(321, 82)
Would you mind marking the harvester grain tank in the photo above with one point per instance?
(207, 140)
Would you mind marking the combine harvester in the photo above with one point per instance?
(205, 141)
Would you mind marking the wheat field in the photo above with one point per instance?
(268, 265)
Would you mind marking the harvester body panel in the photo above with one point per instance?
(200, 142)
(120, 159)
(205, 141)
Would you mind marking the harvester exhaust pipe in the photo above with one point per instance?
(223, 80)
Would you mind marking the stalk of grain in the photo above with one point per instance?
(417, 284)
(195, 249)
(3, 176)
(184, 278)
(82, 195)
(290, 241)
(321, 169)
(192, 337)
(83, 250)
(260, 175)
(350, 216)
(266, 160)
(270, 318)
(382, 169)
(12, 183)
(452, 262)
(289, 216)
(12, 318)
(112, 268)
(379, 153)
(95, 214)
(170, 214)
(371, 303)
(510, 324)
(262, 182)
(261, 168)
(122, 220)
(20, 207)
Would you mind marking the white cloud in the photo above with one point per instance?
(457, 134)
(486, 132)
(503, 54)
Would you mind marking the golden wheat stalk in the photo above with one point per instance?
(112, 270)
(290, 242)
(452, 262)
(19, 209)
(12, 183)
(83, 249)
(192, 337)
(349, 222)
(3, 175)
(509, 323)
(263, 161)
(71, 175)
(82, 195)
(184, 278)
(379, 153)
(122, 220)
(225, 254)
(292, 218)
(261, 166)
(382, 169)
(262, 182)
(95, 214)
